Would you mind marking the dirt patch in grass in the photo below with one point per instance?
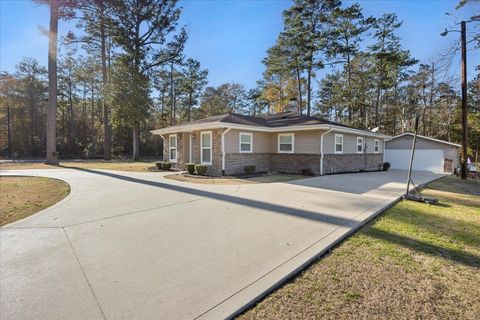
(102, 165)
(416, 261)
(234, 180)
(24, 196)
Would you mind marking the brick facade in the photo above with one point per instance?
(336, 163)
(269, 162)
(236, 162)
(295, 162)
(214, 169)
(180, 152)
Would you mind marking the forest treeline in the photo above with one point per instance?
(123, 72)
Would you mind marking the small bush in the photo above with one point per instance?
(249, 169)
(158, 164)
(307, 172)
(166, 165)
(386, 166)
(201, 169)
(190, 167)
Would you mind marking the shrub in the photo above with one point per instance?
(201, 169)
(166, 165)
(158, 164)
(249, 169)
(307, 172)
(190, 167)
(386, 166)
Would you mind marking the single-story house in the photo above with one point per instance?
(430, 154)
(282, 142)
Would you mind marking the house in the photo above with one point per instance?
(282, 142)
(430, 154)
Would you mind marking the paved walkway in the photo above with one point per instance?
(129, 245)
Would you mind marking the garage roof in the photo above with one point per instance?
(427, 138)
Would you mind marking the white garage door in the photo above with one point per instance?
(425, 160)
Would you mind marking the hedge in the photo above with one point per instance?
(190, 167)
(249, 169)
(201, 169)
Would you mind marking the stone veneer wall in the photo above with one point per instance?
(236, 162)
(180, 154)
(336, 163)
(295, 162)
(216, 168)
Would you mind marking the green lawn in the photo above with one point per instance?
(416, 261)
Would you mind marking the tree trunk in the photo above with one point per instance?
(94, 137)
(9, 133)
(71, 142)
(190, 103)
(107, 135)
(52, 157)
(309, 90)
(172, 112)
(136, 142)
(350, 104)
(299, 90)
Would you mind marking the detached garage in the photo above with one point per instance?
(430, 154)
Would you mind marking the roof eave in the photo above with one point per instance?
(219, 124)
(427, 138)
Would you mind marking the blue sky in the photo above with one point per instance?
(230, 37)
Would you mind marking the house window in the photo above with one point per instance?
(206, 147)
(338, 143)
(376, 146)
(245, 142)
(172, 145)
(285, 142)
(359, 144)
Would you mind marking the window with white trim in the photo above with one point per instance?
(359, 144)
(206, 147)
(338, 143)
(246, 142)
(376, 146)
(172, 145)
(285, 142)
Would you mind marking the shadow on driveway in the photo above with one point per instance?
(314, 216)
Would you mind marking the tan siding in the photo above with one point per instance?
(405, 142)
(370, 145)
(262, 141)
(328, 143)
(349, 143)
(306, 142)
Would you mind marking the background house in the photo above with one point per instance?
(430, 154)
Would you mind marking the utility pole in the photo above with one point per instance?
(463, 41)
(9, 132)
(464, 100)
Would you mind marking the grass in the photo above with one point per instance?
(268, 178)
(105, 165)
(21, 197)
(414, 262)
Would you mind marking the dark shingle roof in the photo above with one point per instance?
(276, 120)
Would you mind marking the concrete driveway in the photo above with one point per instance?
(127, 245)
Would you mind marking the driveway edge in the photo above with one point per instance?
(317, 256)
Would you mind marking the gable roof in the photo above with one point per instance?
(271, 123)
(426, 138)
